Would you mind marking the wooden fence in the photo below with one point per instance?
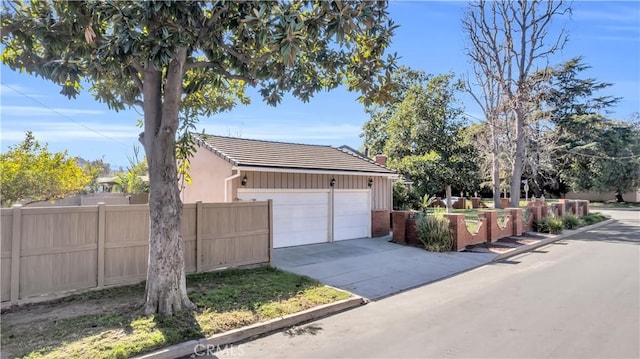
(50, 250)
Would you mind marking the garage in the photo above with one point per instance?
(319, 193)
(305, 216)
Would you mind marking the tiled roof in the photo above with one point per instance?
(268, 154)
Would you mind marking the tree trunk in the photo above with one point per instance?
(166, 290)
(496, 176)
(447, 190)
(619, 198)
(516, 176)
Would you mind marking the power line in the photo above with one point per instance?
(61, 114)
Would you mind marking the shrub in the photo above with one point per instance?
(571, 221)
(434, 233)
(556, 225)
(593, 217)
(553, 225)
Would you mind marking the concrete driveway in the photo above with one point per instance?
(374, 267)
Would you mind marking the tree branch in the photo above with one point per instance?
(242, 58)
(135, 75)
(221, 70)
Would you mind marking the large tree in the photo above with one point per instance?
(162, 55)
(507, 41)
(600, 154)
(422, 132)
(567, 106)
(30, 173)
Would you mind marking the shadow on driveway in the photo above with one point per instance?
(374, 267)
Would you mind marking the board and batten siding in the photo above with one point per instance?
(380, 191)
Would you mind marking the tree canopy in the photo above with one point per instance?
(422, 132)
(572, 144)
(30, 173)
(178, 60)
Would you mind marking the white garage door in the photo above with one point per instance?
(299, 217)
(352, 214)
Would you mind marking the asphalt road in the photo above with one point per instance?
(577, 298)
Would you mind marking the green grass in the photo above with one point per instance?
(592, 218)
(614, 205)
(226, 300)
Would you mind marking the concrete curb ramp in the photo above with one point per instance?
(544, 242)
(240, 334)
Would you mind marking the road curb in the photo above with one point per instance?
(240, 334)
(544, 242)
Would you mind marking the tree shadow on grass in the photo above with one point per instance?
(181, 327)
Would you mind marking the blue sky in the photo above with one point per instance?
(606, 34)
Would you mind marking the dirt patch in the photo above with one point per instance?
(24, 318)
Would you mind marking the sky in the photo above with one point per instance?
(606, 34)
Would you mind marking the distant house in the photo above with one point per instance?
(320, 193)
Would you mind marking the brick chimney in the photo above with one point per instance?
(380, 159)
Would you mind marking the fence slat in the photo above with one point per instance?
(270, 226)
(101, 237)
(198, 236)
(15, 254)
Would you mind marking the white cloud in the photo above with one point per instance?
(617, 14)
(13, 90)
(71, 131)
(30, 111)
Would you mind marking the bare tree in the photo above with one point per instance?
(507, 40)
(489, 99)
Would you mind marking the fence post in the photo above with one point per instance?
(198, 235)
(102, 217)
(15, 253)
(516, 219)
(456, 226)
(492, 224)
(270, 224)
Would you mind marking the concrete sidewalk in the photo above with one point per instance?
(374, 267)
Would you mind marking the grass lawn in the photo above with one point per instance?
(109, 323)
(614, 205)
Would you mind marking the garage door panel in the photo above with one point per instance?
(297, 225)
(309, 211)
(352, 215)
(351, 220)
(298, 217)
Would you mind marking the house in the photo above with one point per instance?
(320, 193)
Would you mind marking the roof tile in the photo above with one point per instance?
(257, 153)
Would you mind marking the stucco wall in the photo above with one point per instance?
(208, 173)
(604, 196)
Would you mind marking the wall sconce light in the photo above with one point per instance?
(370, 183)
(244, 181)
(332, 182)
